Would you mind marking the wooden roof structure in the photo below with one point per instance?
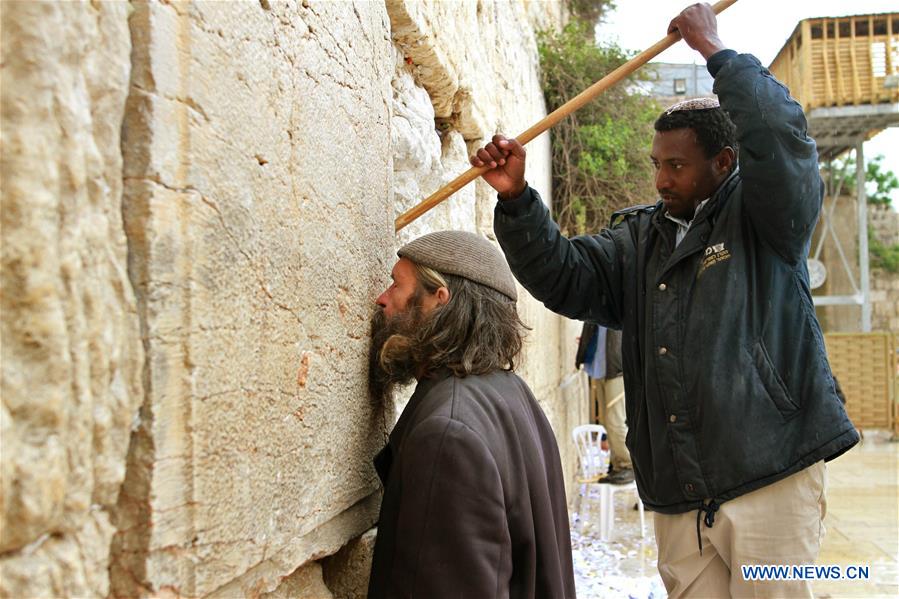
(845, 73)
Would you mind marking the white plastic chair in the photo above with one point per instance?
(593, 464)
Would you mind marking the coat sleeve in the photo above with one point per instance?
(452, 533)
(782, 188)
(579, 277)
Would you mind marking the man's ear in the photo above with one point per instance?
(443, 296)
(725, 159)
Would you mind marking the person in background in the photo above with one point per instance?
(599, 350)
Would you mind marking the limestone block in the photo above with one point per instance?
(306, 582)
(453, 49)
(258, 178)
(324, 540)
(423, 162)
(347, 572)
(452, 75)
(71, 350)
(71, 565)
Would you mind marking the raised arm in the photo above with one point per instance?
(579, 278)
(778, 161)
(782, 188)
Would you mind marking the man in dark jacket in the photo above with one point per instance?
(731, 405)
(474, 497)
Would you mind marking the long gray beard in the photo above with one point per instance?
(381, 382)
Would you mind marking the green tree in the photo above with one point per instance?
(600, 153)
(880, 182)
(882, 255)
(590, 11)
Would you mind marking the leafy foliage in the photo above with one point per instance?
(590, 11)
(600, 153)
(880, 182)
(882, 255)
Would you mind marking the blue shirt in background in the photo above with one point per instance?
(595, 360)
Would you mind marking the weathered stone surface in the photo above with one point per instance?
(70, 565)
(306, 582)
(71, 352)
(424, 161)
(347, 572)
(324, 540)
(257, 173)
(453, 49)
(204, 284)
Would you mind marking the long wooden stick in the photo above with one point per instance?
(577, 102)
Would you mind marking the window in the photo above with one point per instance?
(680, 86)
(879, 59)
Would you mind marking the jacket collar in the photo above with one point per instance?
(700, 228)
(384, 459)
(711, 206)
(422, 389)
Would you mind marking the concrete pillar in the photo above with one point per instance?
(864, 279)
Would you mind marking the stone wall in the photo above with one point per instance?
(884, 222)
(884, 286)
(257, 153)
(71, 350)
(197, 212)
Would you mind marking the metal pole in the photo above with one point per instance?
(864, 279)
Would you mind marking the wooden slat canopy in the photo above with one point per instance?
(845, 73)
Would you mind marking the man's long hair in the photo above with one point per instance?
(476, 332)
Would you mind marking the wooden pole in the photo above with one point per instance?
(572, 105)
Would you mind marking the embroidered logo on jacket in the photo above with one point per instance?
(714, 254)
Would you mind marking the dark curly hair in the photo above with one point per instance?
(714, 129)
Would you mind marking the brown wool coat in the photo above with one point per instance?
(474, 500)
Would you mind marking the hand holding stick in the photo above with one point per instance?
(586, 96)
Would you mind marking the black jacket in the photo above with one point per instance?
(728, 387)
(474, 496)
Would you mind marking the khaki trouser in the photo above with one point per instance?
(608, 402)
(782, 523)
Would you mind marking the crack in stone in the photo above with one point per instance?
(259, 277)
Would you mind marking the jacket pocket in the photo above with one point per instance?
(772, 382)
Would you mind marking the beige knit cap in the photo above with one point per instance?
(464, 254)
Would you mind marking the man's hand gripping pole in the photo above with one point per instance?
(572, 105)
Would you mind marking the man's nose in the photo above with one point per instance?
(382, 299)
(662, 181)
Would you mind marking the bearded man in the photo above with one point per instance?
(474, 499)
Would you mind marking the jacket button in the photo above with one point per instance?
(663, 287)
(663, 351)
(672, 418)
(689, 487)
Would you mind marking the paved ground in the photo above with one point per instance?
(862, 529)
(863, 519)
